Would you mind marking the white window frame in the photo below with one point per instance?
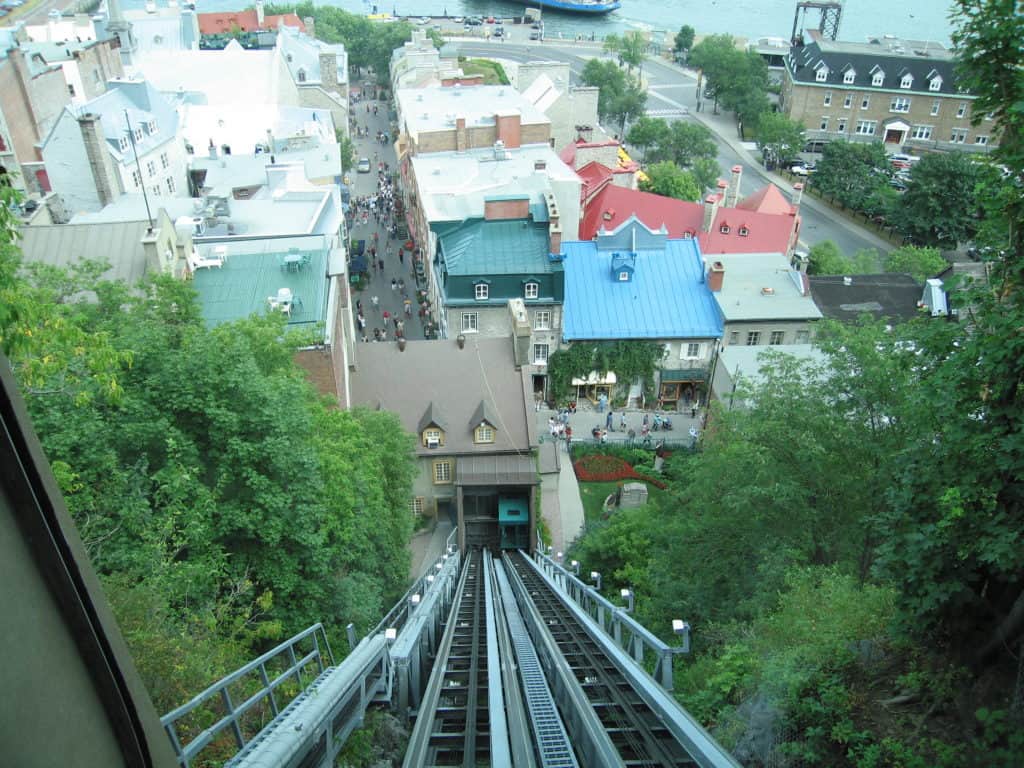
(470, 322)
(935, 84)
(776, 338)
(724, 229)
(753, 338)
(803, 336)
(691, 350)
(936, 105)
(981, 141)
(170, 185)
(484, 433)
(481, 292)
(821, 75)
(623, 276)
(542, 320)
(961, 110)
(877, 79)
(734, 337)
(958, 136)
(921, 132)
(868, 127)
(900, 104)
(541, 359)
(122, 144)
(849, 76)
(823, 125)
(531, 290)
(156, 191)
(150, 168)
(442, 472)
(828, 99)
(841, 125)
(848, 101)
(416, 505)
(136, 177)
(907, 81)
(164, 160)
(865, 103)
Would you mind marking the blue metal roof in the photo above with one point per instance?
(665, 298)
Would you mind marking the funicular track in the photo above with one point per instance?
(635, 729)
(453, 727)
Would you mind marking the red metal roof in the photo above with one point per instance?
(223, 22)
(774, 231)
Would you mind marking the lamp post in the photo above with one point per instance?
(627, 595)
(682, 629)
(596, 578)
(575, 567)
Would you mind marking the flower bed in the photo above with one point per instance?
(599, 468)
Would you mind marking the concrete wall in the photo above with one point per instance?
(567, 195)
(176, 170)
(578, 106)
(557, 71)
(90, 70)
(789, 328)
(495, 322)
(316, 97)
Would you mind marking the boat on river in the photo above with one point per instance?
(593, 7)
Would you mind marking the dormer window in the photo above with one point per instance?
(624, 277)
(151, 127)
(849, 76)
(433, 437)
(821, 74)
(878, 78)
(907, 81)
(531, 290)
(122, 144)
(484, 433)
(743, 231)
(481, 291)
(138, 134)
(688, 235)
(935, 83)
(724, 229)
(301, 75)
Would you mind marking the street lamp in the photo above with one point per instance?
(390, 634)
(627, 595)
(596, 578)
(681, 628)
(430, 578)
(558, 555)
(575, 567)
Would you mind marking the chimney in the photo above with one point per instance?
(798, 193)
(554, 238)
(259, 13)
(328, 69)
(460, 134)
(540, 165)
(310, 26)
(98, 156)
(801, 260)
(710, 208)
(716, 275)
(509, 129)
(734, 187)
(213, 150)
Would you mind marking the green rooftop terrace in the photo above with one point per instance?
(255, 271)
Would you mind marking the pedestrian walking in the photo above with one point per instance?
(401, 256)
(622, 421)
(608, 422)
(387, 316)
(394, 284)
(381, 263)
(568, 436)
(375, 302)
(408, 307)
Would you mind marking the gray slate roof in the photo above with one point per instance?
(922, 60)
(61, 245)
(893, 297)
(437, 376)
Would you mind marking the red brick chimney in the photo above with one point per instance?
(734, 187)
(509, 129)
(460, 134)
(554, 238)
(716, 275)
(798, 193)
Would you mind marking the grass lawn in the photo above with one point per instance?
(594, 494)
(493, 72)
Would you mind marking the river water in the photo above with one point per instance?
(914, 19)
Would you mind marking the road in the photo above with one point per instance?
(670, 90)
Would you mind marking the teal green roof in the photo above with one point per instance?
(253, 272)
(507, 247)
(513, 509)
(505, 198)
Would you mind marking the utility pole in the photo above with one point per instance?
(138, 168)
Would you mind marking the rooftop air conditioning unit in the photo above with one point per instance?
(198, 225)
(433, 442)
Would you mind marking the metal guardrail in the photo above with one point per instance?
(218, 695)
(399, 613)
(628, 633)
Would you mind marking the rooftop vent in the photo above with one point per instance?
(847, 281)
(766, 291)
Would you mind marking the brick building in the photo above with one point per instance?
(902, 92)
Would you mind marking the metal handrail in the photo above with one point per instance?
(294, 670)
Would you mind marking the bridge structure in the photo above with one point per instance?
(497, 658)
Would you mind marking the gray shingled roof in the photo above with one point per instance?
(805, 60)
(61, 245)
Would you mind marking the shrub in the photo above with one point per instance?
(600, 468)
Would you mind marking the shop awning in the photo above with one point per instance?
(511, 469)
(684, 374)
(595, 378)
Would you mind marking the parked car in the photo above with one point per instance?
(900, 160)
(535, 35)
(364, 165)
(473, 21)
(536, 25)
(498, 32)
(490, 19)
(802, 168)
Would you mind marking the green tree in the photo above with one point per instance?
(922, 263)
(779, 138)
(670, 180)
(684, 39)
(851, 172)
(686, 143)
(347, 150)
(825, 258)
(647, 132)
(715, 57)
(630, 47)
(705, 172)
(942, 206)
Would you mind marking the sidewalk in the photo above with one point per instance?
(426, 547)
(587, 417)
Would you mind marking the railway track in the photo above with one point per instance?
(636, 731)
